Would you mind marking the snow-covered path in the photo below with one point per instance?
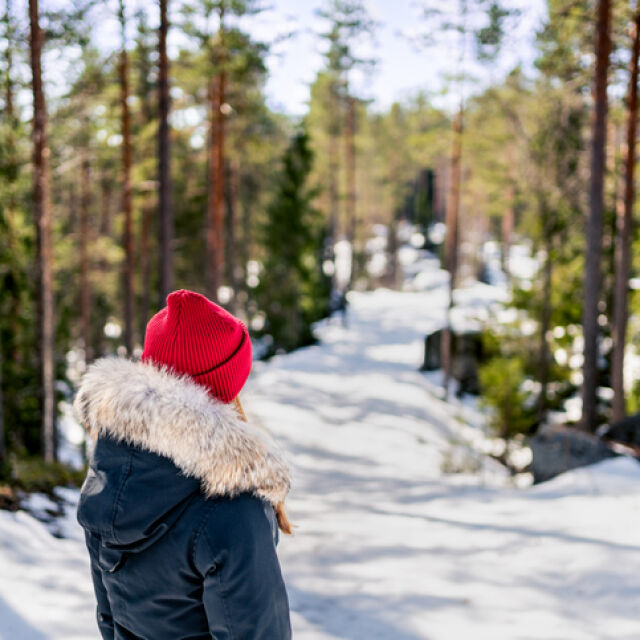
(389, 548)
(386, 546)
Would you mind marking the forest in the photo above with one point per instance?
(422, 215)
(151, 159)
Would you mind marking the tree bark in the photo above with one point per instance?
(350, 170)
(593, 257)
(215, 236)
(127, 206)
(164, 161)
(105, 199)
(544, 354)
(44, 246)
(506, 230)
(145, 267)
(624, 227)
(231, 258)
(85, 294)
(350, 167)
(451, 241)
(334, 163)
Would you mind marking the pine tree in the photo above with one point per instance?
(293, 291)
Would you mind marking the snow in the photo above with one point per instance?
(387, 546)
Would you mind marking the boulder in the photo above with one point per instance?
(559, 449)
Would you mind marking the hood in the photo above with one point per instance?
(161, 438)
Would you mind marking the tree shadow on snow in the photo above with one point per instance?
(13, 626)
(357, 616)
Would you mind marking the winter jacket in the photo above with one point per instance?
(177, 508)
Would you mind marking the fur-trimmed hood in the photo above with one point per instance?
(168, 414)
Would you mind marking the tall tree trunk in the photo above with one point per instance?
(2, 448)
(44, 245)
(8, 82)
(246, 189)
(164, 161)
(231, 258)
(105, 200)
(127, 206)
(593, 257)
(145, 267)
(215, 235)
(8, 58)
(507, 224)
(85, 294)
(334, 165)
(544, 354)
(350, 170)
(451, 242)
(624, 220)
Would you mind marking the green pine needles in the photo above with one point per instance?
(293, 291)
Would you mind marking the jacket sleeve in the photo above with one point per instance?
(243, 591)
(103, 613)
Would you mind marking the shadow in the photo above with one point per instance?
(523, 531)
(13, 626)
(354, 616)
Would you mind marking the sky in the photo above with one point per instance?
(402, 68)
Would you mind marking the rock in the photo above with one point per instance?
(559, 449)
(625, 431)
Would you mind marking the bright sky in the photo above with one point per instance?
(402, 68)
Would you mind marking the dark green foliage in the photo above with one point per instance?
(501, 381)
(293, 292)
(490, 37)
(35, 475)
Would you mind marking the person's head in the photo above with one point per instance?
(192, 335)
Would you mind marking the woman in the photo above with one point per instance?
(182, 501)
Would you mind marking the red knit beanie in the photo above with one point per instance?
(195, 336)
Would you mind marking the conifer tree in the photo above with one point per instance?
(293, 291)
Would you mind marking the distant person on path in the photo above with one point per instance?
(182, 501)
(340, 303)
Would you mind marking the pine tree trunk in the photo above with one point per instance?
(350, 170)
(145, 267)
(334, 166)
(2, 448)
(231, 259)
(506, 230)
(593, 256)
(451, 242)
(127, 206)
(215, 236)
(164, 161)
(544, 354)
(85, 294)
(105, 199)
(350, 167)
(8, 79)
(624, 226)
(44, 246)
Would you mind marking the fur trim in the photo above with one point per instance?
(167, 413)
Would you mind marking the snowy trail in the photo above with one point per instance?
(386, 546)
(389, 548)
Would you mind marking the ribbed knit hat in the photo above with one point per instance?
(193, 335)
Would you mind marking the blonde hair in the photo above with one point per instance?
(281, 515)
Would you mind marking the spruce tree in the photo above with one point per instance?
(293, 290)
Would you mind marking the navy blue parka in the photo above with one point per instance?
(177, 509)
